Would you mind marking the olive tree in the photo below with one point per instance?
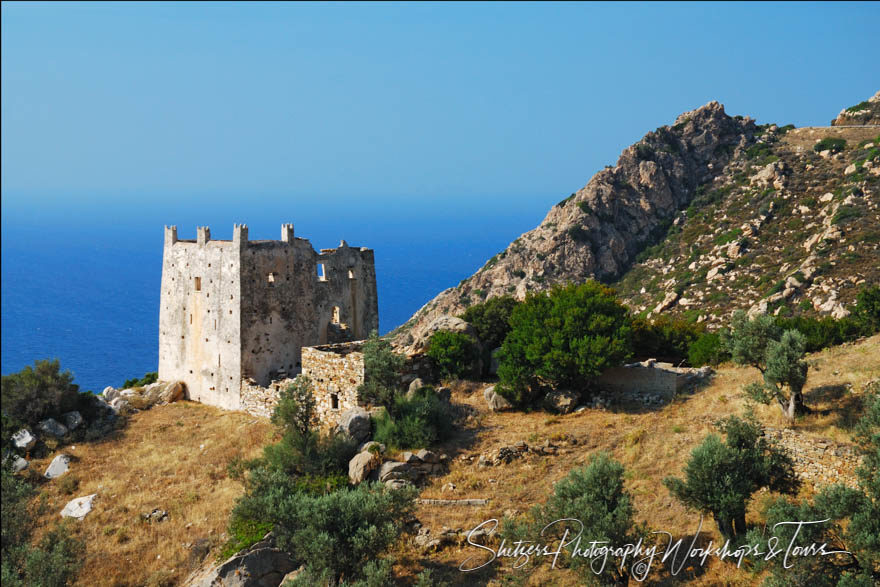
(777, 354)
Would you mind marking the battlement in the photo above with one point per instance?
(240, 309)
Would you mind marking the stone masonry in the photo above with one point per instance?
(235, 314)
(336, 371)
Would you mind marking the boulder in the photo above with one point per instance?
(372, 446)
(120, 405)
(562, 401)
(394, 470)
(52, 427)
(427, 456)
(258, 566)
(78, 508)
(408, 457)
(172, 391)
(110, 393)
(360, 467)
(356, 423)
(72, 420)
(416, 385)
(19, 464)
(495, 401)
(58, 466)
(23, 439)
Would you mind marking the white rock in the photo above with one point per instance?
(23, 439)
(827, 197)
(850, 169)
(78, 508)
(58, 466)
(19, 464)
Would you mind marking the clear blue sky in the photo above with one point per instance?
(396, 102)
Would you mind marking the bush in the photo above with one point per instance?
(382, 368)
(420, 421)
(38, 392)
(491, 320)
(145, 380)
(337, 533)
(595, 496)
(867, 310)
(707, 350)
(664, 338)
(454, 354)
(748, 462)
(851, 521)
(53, 562)
(830, 144)
(562, 339)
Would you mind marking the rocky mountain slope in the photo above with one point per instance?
(704, 216)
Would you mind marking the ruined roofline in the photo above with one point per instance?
(240, 236)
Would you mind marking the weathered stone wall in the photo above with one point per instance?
(642, 379)
(199, 316)
(336, 371)
(261, 401)
(240, 309)
(818, 461)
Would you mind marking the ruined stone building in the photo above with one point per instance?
(235, 314)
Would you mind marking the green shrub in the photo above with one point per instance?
(145, 380)
(562, 338)
(706, 350)
(850, 521)
(830, 144)
(419, 421)
(867, 309)
(664, 338)
(860, 106)
(382, 368)
(454, 353)
(594, 495)
(491, 320)
(54, 561)
(243, 534)
(38, 392)
(748, 461)
(337, 533)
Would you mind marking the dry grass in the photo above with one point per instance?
(157, 462)
(807, 136)
(650, 444)
(171, 457)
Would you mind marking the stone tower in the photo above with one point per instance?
(240, 309)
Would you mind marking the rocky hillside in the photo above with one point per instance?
(704, 216)
(867, 112)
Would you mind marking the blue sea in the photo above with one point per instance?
(81, 276)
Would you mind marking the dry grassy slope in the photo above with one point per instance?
(651, 445)
(171, 457)
(740, 241)
(175, 458)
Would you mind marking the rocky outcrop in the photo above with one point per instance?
(865, 113)
(356, 423)
(143, 398)
(261, 565)
(598, 231)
